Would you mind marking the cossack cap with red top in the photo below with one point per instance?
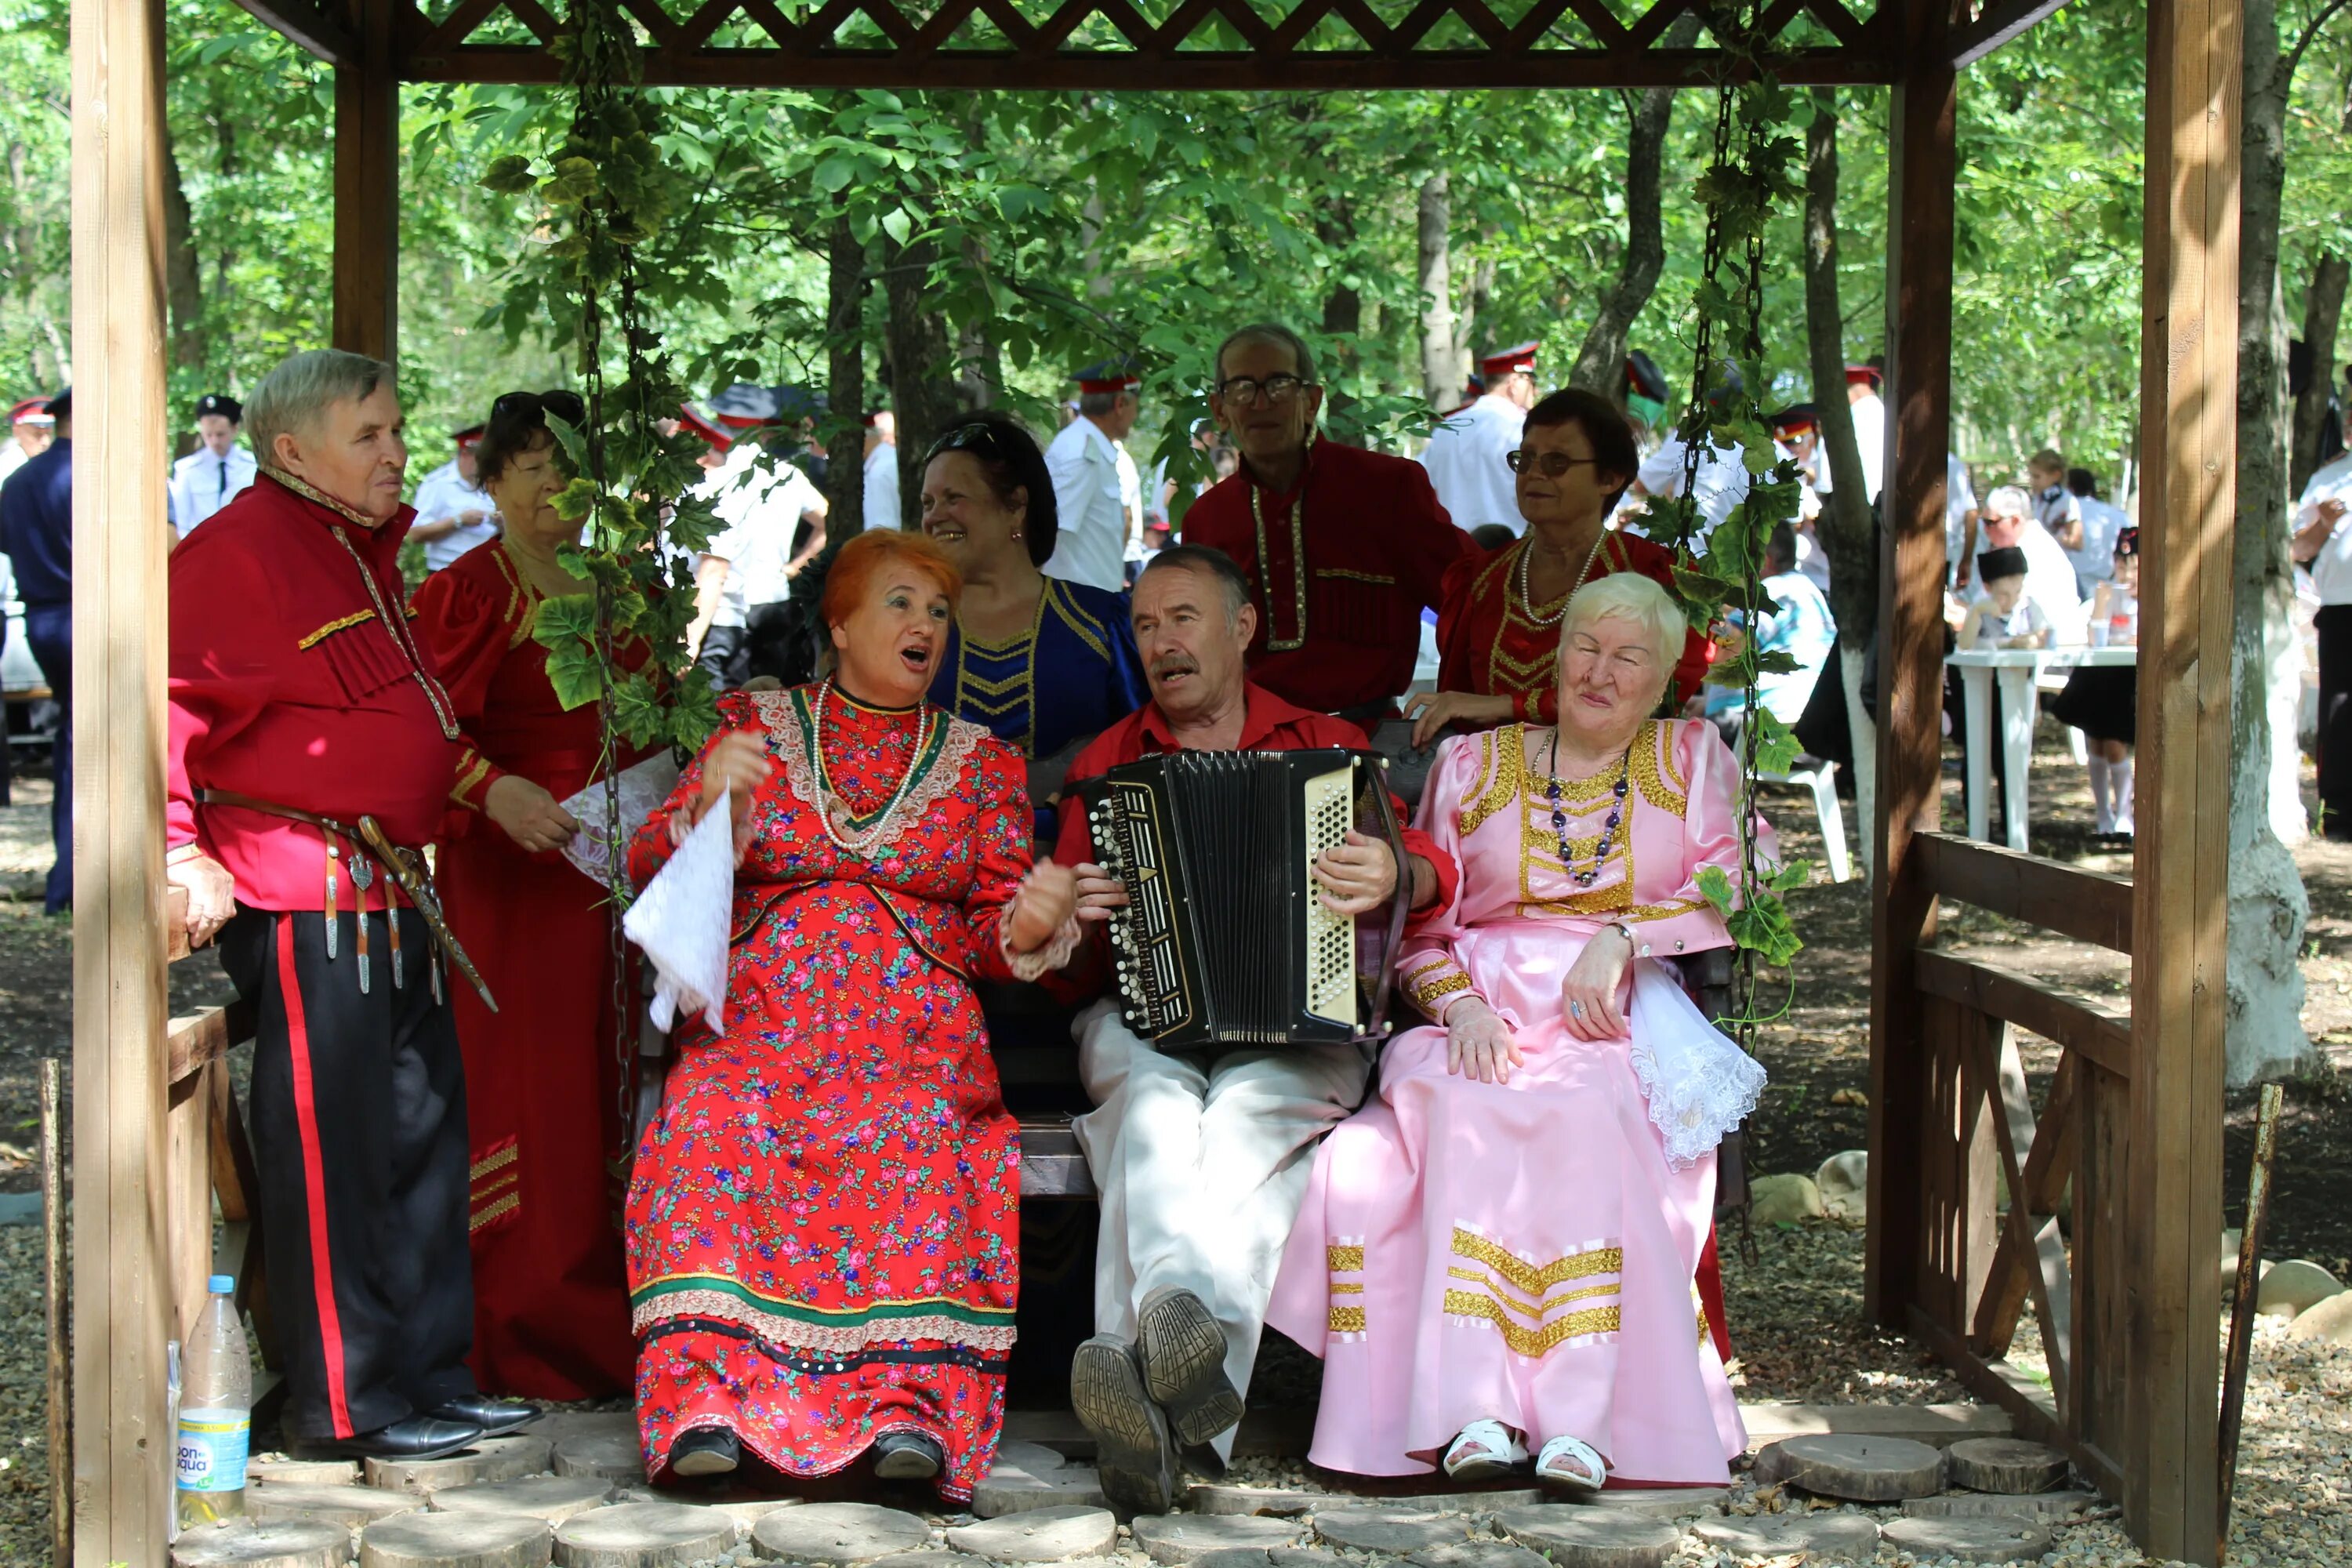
(1865, 374)
(704, 426)
(32, 411)
(1517, 360)
(1110, 376)
(744, 406)
(467, 438)
(1795, 420)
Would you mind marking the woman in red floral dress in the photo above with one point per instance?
(823, 1222)
(550, 1302)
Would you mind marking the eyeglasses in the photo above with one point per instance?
(1550, 465)
(1244, 389)
(975, 436)
(565, 406)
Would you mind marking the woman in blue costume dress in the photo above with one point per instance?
(1038, 661)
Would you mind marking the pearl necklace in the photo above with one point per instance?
(1527, 600)
(851, 843)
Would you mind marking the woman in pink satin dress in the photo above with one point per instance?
(1496, 1255)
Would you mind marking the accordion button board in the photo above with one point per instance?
(1224, 939)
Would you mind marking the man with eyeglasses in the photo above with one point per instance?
(209, 478)
(1343, 548)
(1468, 455)
(454, 512)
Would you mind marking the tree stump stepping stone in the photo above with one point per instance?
(1592, 1537)
(1478, 1555)
(507, 1458)
(1027, 1476)
(1969, 1540)
(616, 1457)
(1271, 1502)
(1177, 1538)
(456, 1541)
(1856, 1468)
(295, 1543)
(1395, 1532)
(2010, 1466)
(558, 1425)
(643, 1535)
(746, 1512)
(354, 1508)
(1657, 1502)
(1829, 1533)
(1040, 1536)
(553, 1498)
(1465, 1502)
(838, 1532)
(303, 1472)
(1999, 1505)
(1262, 1557)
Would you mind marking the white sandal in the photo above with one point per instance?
(1572, 1462)
(1482, 1448)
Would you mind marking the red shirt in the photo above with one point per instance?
(1348, 566)
(1490, 645)
(1268, 724)
(289, 683)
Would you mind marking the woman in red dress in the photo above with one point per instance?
(551, 1306)
(1499, 614)
(822, 1223)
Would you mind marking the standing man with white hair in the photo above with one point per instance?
(1097, 493)
(312, 753)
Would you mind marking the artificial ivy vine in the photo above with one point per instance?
(1754, 172)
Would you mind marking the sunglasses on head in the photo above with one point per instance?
(565, 406)
(972, 437)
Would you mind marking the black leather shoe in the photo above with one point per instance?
(496, 1417)
(907, 1456)
(704, 1451)
(417, 1437)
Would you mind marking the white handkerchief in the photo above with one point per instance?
(680, 921)
(642, 788)
(1698, 1084)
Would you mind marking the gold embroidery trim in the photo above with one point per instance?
(1532, 1342)
(1373, 577)
(1087, 631)
(1356, 1289)
(483, 1191)
(1298, 564)
(1347, 1321)
(1533, 1278)
(1501, 760)
(1528, 1308)
(497, 1211)
(1426, 993)
(1344, 1259)
(475, 772)
(497, 1159)
(792, 1333)
(331, 627)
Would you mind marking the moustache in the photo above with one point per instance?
(1175, 663)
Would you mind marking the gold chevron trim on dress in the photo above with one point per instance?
(1344, 1259)
(1529, 1309)
(331, 627)
(1532, 1342)
(1502, 758)
(1356, 1289)
(1537, 1279)
(1346, 1321)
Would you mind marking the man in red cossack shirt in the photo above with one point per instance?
(1197, 1153)
(1343, 548)
(312, 751)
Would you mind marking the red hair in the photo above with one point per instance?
(876, 551)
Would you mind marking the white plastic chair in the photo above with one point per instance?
(1820, 778)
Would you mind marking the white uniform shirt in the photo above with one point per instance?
(1870, 443)
(1960, 500)
(762, 502)
(2331, 569)
(2094, 562)
(1722, 483)
(1469, 463)
(202, 484)
(12, 456)
(1098, 505)
(881, 501)
(445, 493)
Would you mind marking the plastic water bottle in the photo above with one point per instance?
(216, 1412)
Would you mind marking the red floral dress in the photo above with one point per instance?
(823, 1224)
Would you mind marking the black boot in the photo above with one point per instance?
(704, 1451)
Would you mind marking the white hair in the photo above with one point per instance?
(1630, 596)
(2009, 500)
(291, 397)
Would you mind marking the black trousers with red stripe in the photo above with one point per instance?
(358, 1122)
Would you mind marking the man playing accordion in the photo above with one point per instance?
(1197, 1154)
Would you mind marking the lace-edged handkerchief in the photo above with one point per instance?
(1699, 1084)
(679, 921)
(642, 788)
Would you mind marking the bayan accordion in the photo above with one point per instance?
(1223, 939)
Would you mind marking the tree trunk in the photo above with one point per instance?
(1441, 367)
(844, 475)
(2323, 309)
(923, 389)
(1601, 362)
(2267, 904)
(184, 287)
(1845, 530)
(1343, 307)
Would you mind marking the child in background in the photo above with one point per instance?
(2104, 701)
(2007, 616)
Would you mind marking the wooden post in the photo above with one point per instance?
(1910, 643)
(367, 191)
(122, 1448)
(2188, 376)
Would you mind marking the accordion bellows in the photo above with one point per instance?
(1223, 939)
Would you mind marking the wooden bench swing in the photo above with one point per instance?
(2132, 1123)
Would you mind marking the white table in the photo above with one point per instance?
(2019, 669)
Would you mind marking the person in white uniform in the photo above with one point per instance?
(30, 426)
(764, 502)
(454, 512)
(1468, 456)
(211, 476)
(2324, 544)
(1869, 411)
(1796, 439)
(1720, 484)
(2099, 524)
(1098, 494)
(880, 491)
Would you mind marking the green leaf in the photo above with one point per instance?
(508, 175)
(898, 225)
(571, 618)
(574, 671)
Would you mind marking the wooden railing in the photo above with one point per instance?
(1983, 1262)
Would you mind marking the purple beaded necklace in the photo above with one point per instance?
(1585, 878)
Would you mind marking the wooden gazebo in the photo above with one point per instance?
(2127, 1297)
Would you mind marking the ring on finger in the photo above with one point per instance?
(1576, 1009)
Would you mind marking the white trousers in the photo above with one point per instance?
(1201, 1159)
